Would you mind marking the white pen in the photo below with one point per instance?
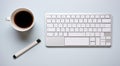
(26, 48)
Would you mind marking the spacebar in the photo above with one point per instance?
(77, 41)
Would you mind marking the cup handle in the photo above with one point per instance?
(8, 19)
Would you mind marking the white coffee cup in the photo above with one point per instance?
(22, 19)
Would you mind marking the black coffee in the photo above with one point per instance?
(23, 19)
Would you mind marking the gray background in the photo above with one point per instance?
(12, 41)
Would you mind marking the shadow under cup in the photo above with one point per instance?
(22, 19)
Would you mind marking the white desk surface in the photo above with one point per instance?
(12, 41)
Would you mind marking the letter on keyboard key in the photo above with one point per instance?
(75, 41)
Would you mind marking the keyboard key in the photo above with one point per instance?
(64, 25)
(56, 34)
(85, 20)
(107, 16)
(77, 16)
(92, 43)
(60, 34)
(107, 25)
(81, 30)
(102, 38)
(102, 43)
(89, 20)
(55, 25)
(69, 25)
(58, 16)
(97, 34)
(49, 34)
(60, 25)
(106, 29)
(62, 29)
(97, 25)
(97, 16)
(78, 25)
(106, 20)
(99, 20)
(53, 20)
(67, 29)
(85, 29)
(51, 29)
(53, 16)
(58, 20)
(76, 20)
(87, 25)
(49, 25)
(68, 16)
(71, 20)
(66, 20)
(108, 37)
(63, 16)
(94, 20)
(108, 43)
(92, 38)
(80, 20)
(91, 34)
(87, 16)
(101, 34)
(72, 29)
(73, 25)
(92, 16)
(83, 41)
(99, 29)
(97, 41)
(76, 29)
(65, 34)
(82, 16)
(95, 29)
(82, 25)
(90, 29)
(48, 20)
(102, 16)
(62, 20)
(58, 29)
(92, 25)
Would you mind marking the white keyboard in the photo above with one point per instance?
(78, 29)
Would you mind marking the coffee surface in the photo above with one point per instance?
(23, 19)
